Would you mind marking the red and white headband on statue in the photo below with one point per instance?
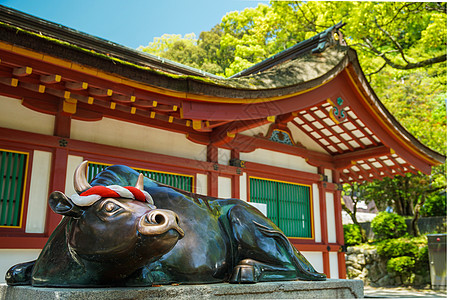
(95, 193)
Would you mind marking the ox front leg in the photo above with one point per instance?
(20, 274)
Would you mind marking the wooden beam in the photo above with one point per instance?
(96, 92)
(342, 161)
(123, 98)
(23, 71)
(55, 78)
(76, 86)
(38, 88)
(9, 81)
(58, 93)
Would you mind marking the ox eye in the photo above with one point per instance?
(110, 207)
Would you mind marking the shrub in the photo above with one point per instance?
(388, 225)
(352, 235)
(396, 248)
(402, 265)
(422, 260)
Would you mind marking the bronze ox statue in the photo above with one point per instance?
(113, 234)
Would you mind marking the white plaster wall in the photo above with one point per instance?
(262, 207)
(224, 156)
(29, 120)
(315, 258)
(127, 135)
(256, 131)
(306, 141)
(243, 187)
(224, 187)
(316, 207)
(11, 257)
(331, 224)
(278, 159)
(201, 184)
(334, 266)
(38, 196)
(72, 163)
(329, 174)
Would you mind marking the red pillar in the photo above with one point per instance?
(59, 165)
(57, 183)
(323, 224)
(339, 227)
(235, 180)
(213, 177)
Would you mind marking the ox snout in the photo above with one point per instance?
(159, 221)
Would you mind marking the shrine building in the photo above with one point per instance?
(284, 134)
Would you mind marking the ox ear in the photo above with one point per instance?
(61, 204)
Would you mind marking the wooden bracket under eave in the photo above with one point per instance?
(69, 106)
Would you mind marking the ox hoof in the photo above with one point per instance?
(247, 271)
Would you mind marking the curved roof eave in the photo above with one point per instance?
(370, 94)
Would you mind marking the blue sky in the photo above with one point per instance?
(132, 23)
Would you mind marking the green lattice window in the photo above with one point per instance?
(183, 182)
(13, 168)
(288, 205)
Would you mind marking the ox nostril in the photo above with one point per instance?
(157, 218)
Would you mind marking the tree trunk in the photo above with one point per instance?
(414, 223)
(355, 221)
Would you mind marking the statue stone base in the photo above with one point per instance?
(331, 289)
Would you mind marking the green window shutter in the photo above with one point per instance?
(288, 205)
(13, 166)
(264, 191)
(183, 182)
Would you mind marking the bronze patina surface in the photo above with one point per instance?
(188, 238)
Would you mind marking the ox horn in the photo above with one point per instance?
(80, 182)
(140, 182)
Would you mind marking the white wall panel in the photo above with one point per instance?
(38, 196)
(127, 135)
(329, 174)
(257, 130)
(278, 159)
(334, 266)
(243, 187)
(224, 156)
(201, 184)
(14, 115)
(72, 163)
(316, 207)
(331, 223)
(262, 207)
(315, 258)
(224, 188)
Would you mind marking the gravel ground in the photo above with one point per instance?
(402, 292)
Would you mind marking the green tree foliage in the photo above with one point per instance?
(402, 50)
(352, 235)
(201, 53)
(388, 226)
